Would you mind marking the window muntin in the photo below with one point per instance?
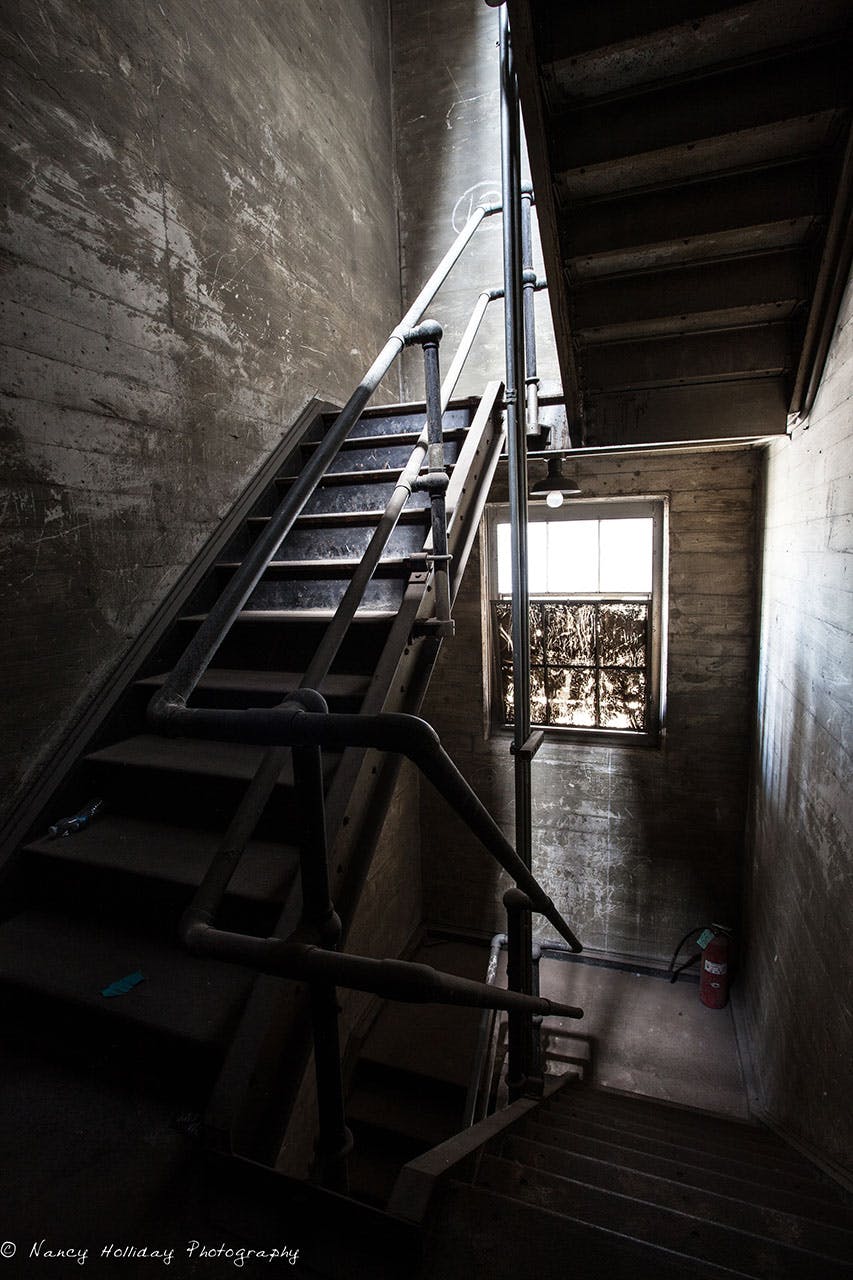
(595, 574)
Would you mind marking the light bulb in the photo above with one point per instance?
(554, 498)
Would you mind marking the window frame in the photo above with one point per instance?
(654, 506)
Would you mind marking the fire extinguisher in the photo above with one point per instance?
(714, 956)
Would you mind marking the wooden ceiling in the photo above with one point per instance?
(691, 162)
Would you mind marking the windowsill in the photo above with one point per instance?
(586, 737)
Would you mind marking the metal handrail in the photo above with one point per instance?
(196, 658)
(292, 724)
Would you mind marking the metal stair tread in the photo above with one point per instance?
(298, 615)
(232, 680)
(664, 1141)
(313, 519)
(717, 1205)
(394, 438)
(727, 1136)
(489, 1225)
(185, 996)
(374, 475)
(180, 855)
(685, 1163)
(197, 756)
(322, 565)
(645, 1219)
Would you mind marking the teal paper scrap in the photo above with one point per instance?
(123, 985)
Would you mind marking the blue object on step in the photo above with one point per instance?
(123, 985)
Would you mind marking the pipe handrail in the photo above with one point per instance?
(196, 658)
(292, 724)
(392, 979)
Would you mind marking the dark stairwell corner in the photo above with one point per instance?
(211, 222)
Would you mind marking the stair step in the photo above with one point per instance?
(170, 854)
(681, 1232)
(674, 1146)
(789, 1195)
(191, 756)
(405, 1104)
(299, 615)
(714, 1206)
(390, 566)
(723, 1137)
(663, 1114)
(268, 683)
(381, 423)
(393, 439)
(190, 781)
(182, 996)
(336, 519)
(475, 1232)
(366, 475)
(379, 455)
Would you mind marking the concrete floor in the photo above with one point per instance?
(647, 1035)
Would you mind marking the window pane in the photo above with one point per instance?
(504, 560)
(622, 698)
(538, 705)
(571, 696)
(570, 634)
(572, 556)
(503, 631)
(626, 555)
(537, 559)
(622, 635)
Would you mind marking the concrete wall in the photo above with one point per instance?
(447, 114)
(799, 976)
(636, 845)
(199, 234)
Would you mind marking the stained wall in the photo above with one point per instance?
(635, 844)
(799, 975)
(447, 125)
(199, 234)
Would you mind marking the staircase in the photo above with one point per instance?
(84, 911)
(592, 1184)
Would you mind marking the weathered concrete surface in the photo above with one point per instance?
(799, 975)
(198, 234)
(635, 844)
(447, 123)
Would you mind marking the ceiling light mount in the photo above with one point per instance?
(555, 486)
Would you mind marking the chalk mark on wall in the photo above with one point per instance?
(486, 192)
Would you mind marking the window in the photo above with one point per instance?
(595, 583)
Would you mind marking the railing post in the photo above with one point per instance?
(522, 1077)
(531, 378)
(516, 437)
(436, 481)
(322, 921)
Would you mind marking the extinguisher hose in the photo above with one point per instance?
(673, 972)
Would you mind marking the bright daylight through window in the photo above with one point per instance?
(595, 597)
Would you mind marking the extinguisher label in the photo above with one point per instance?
(704, 938)
(716, 968)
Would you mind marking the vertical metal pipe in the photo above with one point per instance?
(531, 377)
(437, 481)
(320, 917)
(519, 977)
(516, 434)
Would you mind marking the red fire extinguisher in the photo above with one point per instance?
(715, 959)
(714, 972)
